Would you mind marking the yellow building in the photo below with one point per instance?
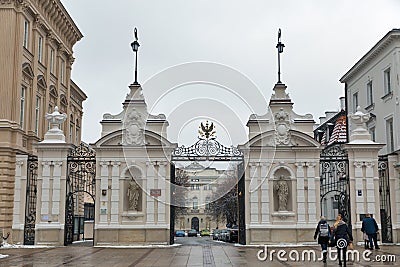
(36, 41)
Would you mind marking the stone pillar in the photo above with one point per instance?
(253, 190)
(364, 183)
(149, 199)
(311, 196)
(115, 191)
(19, 199)
(265, 201)
(7, 176)
(56, 195)
(104, 208)
(162, 186)
(301, 199)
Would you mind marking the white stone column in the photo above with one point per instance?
(358, 178)
(55, 209)
(44, 211)
(312, 205)
(149, 199)
(301, 205)
(162, 185)
(372, 203)
(253, 191)
(103, 186)
(19, 202)
(115, 190)
(265, 203)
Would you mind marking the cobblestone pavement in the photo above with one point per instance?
(211, 254)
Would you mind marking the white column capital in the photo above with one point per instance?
(104, 163)
(311, 164)
(57, 163)
(19, 163)
(369, 164)
(358, 164)
(300, 164)
(116, 163)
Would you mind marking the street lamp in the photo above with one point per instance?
(135, 47)
(280, 47)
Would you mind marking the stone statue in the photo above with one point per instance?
(133, 195)
(134, 125)
(282, 190)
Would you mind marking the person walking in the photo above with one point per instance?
(342, 237)
(323, 231)
(370, 227)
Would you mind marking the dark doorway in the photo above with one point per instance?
(195, 223)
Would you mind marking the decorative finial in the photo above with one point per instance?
(280, 47)
(135, 34)
(54, 134)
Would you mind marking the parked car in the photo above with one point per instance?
(192, 232)
(222, 235)
(232, 235)
(216, 233)
(180, 233)
(205, 232)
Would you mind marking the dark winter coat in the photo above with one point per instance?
(369, 226)
(342, 231)
(322, 239)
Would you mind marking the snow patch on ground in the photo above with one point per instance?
(2, 256)
(8, 246)
(140, 246)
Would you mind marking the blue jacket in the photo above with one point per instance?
(369, 226)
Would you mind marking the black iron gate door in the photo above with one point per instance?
(334, 178)
(81, 179)
(384, 200)
(31, 198)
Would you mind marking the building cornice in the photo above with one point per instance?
(390, 37)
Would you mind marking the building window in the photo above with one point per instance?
(26, 34)
(355, 102)
(389, 135)
(386, 79)
(51, 60)
(71, 129)
(37, 115)
(22, 107)
(197, 187)
(50, 110)
(195, 203)
(205, 187)
(208, 200)
(62, 72)
(77, 135)
(370, 99)
(40, 49)
(372, 133)
(192, 187)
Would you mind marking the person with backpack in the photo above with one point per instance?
(370, 227)
(323, 231)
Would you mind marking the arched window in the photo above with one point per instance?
(208, 199)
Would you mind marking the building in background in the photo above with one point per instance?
(372, 84)
(36, 42)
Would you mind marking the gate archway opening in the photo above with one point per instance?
(202, 157)
(334, 183)
(80, 195)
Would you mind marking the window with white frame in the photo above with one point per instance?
(37, 114)
(386, 80)
(195, 203)
(77, 135)
(355, 102)
(26, 34)
(40, 49)
(22, 107)
(372, 133)
(389, 135)
(51, 60)
(71, 129)
(370, 99)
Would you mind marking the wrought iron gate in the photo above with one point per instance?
(31, 197)
(81, 178)
(334, 180)
(207, 148)
(384, 200)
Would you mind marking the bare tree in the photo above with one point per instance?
(179, 192)
(225, 204)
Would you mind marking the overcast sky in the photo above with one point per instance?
(323, 39)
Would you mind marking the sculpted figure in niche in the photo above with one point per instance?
(133, 195)
(282, 190)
